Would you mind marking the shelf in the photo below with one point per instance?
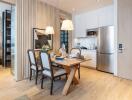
(8, 27)
(8, 20)
(6, 38)
(9, 60)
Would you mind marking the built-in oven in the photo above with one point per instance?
(91, 32)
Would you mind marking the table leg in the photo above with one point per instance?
(69, 81)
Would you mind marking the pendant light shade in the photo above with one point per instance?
(67, 25)
(49, 30)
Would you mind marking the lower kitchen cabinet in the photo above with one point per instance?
(89, 54)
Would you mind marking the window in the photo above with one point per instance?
(64, 39)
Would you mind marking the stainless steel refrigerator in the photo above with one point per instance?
(105, 49)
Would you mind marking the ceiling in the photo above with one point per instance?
(76, 6)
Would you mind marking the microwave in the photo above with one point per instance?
(91, 32)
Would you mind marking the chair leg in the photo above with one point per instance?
(66, 77)
(60, 78)
(36, 77)
(79, 72)
(42, 81)
(30, 74)
(51, 89)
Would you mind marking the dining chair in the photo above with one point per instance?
(33, 64)
(76, 52)
(48, 70)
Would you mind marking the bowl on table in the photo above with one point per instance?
(59, 58)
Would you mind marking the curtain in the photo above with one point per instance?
(33, 14)
(26, 16)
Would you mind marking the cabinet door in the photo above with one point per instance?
(106, 16)
(85, 21)
(89, 55)
(80, 30)
(91, 20)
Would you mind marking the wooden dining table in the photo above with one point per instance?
(71, 66)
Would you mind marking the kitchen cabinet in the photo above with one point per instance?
(93, 19)
(89, 54)
(84, 22)
(106, 16)
(80, 26)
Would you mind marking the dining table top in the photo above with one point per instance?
(69, 61)
(66, 61)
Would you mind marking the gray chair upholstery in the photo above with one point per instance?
(48, 69)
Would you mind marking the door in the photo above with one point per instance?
(106, 40)
(105, 62)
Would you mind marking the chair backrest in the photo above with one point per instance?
(75, 51)
(31, 56)
(46, 62)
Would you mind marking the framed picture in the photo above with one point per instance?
(41, 39)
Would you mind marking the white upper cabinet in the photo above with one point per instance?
(93, 19)
(79, 26)
(106, 16)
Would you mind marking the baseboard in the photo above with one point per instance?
(89, 67)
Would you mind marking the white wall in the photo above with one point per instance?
(93, 19)
(124, 32)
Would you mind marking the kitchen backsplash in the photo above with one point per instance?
(89, 42)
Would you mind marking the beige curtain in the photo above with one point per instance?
(26, 16)
(30, 14)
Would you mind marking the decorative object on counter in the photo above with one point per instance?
(52, 54)
(78, 45)
(62, 51)
(45, 48)
(41, 38)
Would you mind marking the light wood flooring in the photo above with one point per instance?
(94, 85)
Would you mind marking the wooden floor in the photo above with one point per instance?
(93, 85)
